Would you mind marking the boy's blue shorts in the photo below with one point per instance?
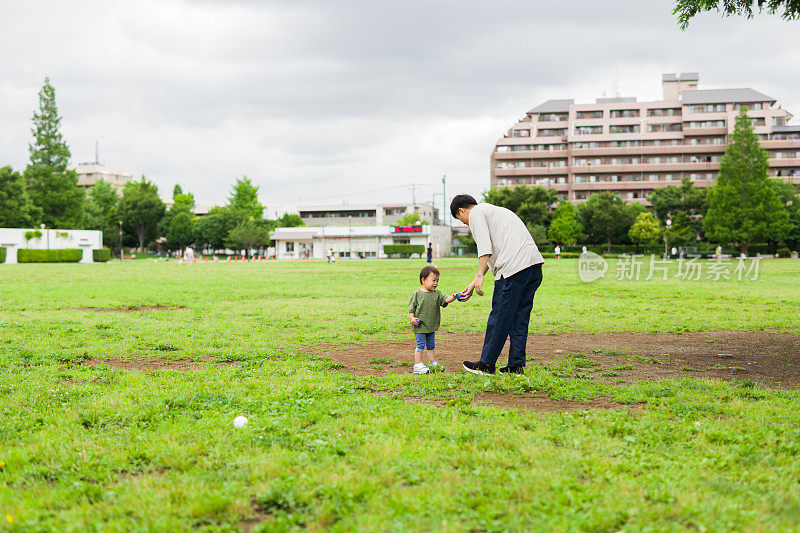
(425, 339)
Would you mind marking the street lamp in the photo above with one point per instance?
(41, 226)
(120, 241)
(666, 238)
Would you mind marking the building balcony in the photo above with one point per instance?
(783, 162)
(679, 149)
(694, 132)
(644, 167)
(531, 171)
(530, 154)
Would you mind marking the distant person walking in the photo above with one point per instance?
(329, 254)
(558, 252)
(430, 253)
(507, 249)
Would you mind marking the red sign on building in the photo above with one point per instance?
(408, 229)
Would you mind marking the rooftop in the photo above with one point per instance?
(724, 96)
(553, 106)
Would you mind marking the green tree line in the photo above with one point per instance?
(47, 193)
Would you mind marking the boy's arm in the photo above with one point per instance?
(412, 307)
(449, 299)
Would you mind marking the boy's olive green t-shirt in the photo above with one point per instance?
(426, 306)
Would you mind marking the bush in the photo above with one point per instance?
(2, 254)
(102, 255)
(35, 234)
(63, 255)
(784, 252)
(403, 249)
(564, 255)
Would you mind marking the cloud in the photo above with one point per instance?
(353, 99)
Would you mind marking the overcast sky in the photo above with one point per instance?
(319, 101)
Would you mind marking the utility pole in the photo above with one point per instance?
(444, 199)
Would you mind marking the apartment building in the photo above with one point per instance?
(632, 147)
(367, 214)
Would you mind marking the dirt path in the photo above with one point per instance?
(772, 359)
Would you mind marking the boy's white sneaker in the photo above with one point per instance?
(420, 368)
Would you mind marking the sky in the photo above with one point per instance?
(353, 101)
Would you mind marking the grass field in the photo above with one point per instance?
(91, 447)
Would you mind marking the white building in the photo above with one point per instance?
(373, 214)
(356, 241)
(15, 238)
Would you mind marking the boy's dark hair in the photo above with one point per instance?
(461, 200)
(427, 271)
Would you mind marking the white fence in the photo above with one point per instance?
(43, 239)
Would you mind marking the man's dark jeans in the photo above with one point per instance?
(512, 303)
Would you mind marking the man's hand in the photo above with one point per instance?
(475, 286)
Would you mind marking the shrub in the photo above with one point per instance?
(62, 255)
(2, 254)
(404, 249)
(35, 234)
(784, 252)
(565, 255)
(102, 255)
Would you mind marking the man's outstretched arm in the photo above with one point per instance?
(477, 283)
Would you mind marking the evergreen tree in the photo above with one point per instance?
(743, 206)
(181, 230)
(141, 210)
(246, 235)
(293, 220)
(212, 229)
(52, 187)
(17, 210)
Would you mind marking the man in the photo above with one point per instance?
(506, 247)
(430, 253)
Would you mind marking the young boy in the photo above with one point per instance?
(425, 314)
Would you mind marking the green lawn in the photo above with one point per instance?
(93, 447)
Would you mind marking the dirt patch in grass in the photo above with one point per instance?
(772, 359)
(153, 363)
(509, 400)
(129, 309)
(538, 403)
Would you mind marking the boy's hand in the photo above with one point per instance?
(415, 321)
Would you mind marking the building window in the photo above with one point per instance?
(624, 113)
(669, 112)
(757, 106)
(549, 132)
(521, 133)
(289, 247)
(588, 130)
(628, 128)
(503, 148)
(588, 114)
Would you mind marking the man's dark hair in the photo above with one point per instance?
(461, 200)
(427, 271)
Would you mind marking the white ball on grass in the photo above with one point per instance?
(239, 422)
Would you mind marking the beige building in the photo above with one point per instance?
(91, 173)
(632, 147)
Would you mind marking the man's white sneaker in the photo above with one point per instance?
(420, 368)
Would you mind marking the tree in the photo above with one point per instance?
(141, 210)
(290, 220)
(743, 206)
(247, 235)
(645, 229)
(411, 219)
(687, 9)
(52, 188)
(102, 212)
(17, 209)
(606, 217)
(538, 233)
(57, 196)
(49, 148)
(243, 200)
(531, 204)
(789, 195)
(181, 230)
(212, 229)
(565, 227)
